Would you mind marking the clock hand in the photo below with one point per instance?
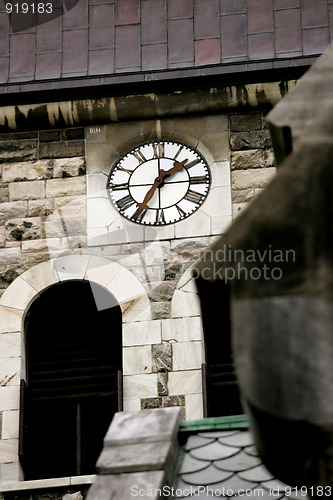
(159, 181)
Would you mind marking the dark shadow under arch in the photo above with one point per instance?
(73, 335)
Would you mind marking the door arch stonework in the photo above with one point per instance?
(14, 303)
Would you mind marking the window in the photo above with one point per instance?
(73, 340)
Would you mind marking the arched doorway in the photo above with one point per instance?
(73, 336)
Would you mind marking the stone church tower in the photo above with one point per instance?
(124, 154)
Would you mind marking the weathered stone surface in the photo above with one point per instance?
(49, 135)
(162, 357)
(242, 195)
(18, 151)
(187, 250)
(39, 245)
(70, 200)
(169, 401)
(150, 403)
(26, 190)
(148, 426)
(13, 209)
(217, 123)
(161, 310)
(217, 144)
(73, 496)
(250, 140)
(69, 167)
(38, 208)
(70, 134)
(2, 236)
(118, 486)
(8, 273)
(61, 149)
(163, 291)
(65, 187)
(70, 227)
(244, 123)
(253, 158)
(10, 255)
(162, 383)
(27, 171)
(24, 229)
(252, 178)
(174, 271)
(4, 195)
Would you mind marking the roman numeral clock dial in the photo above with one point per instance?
(159, 183)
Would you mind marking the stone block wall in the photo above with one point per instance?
(53, 203)
(252, 161)
(42, 196)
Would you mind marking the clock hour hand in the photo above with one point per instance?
(159, 181)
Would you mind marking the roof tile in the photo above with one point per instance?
(241, 438)
(315, 40)
(191, 464)
(153, 21)
(177, 9)
(4, 30)
(127, 12)
(287, 30)
(259, 473)
(49, 36)
(233, 36)
(233, 6)
(314, 13)
(239, 462)
(128, 46)
(214, 451)
(210, 475)
(22, 61)
(101, 62)
(75, 45)
(206, 19)
(260, 15)
(101, 31)
(76, 17)
(180, 41)
(194, 442)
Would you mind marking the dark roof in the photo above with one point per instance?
(220, 464)
(112, 41)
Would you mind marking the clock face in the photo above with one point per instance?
(159, 183)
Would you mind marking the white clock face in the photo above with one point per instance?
(159, 183)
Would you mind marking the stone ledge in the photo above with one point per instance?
(46, 483)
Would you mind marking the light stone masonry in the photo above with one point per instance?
(65, 187)
(27, 171)
(187, 355)
(30, 190)
(68, 167)
(185, 382)
(182, 329)
(10, 424)
(8, 450)
(252, 178)
(137, 360)
(142, 333)
(13, 209)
